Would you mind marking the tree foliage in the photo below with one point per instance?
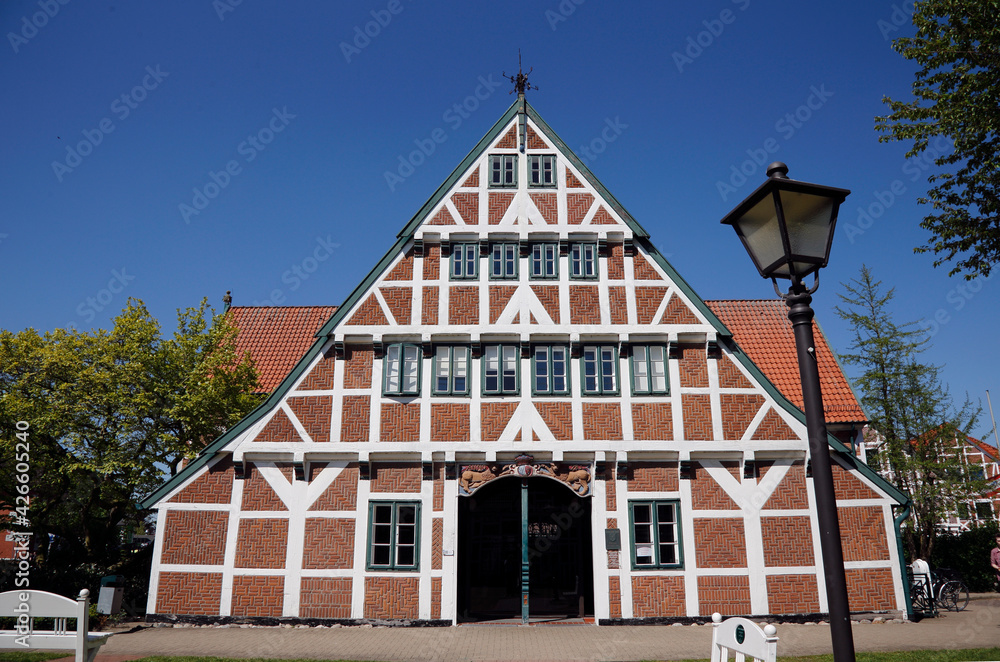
(110, 415)
(956, 93)
(911, 412)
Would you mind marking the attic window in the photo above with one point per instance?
(542, 170)
(503, 171)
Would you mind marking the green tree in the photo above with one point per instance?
(111, 414)
(912, 416)
(957, 45)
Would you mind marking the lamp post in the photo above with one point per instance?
(787, 228)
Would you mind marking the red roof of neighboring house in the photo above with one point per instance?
(762, 330)
(276, 337)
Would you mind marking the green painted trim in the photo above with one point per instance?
(463, 246)
(418, 524)
(554, 245)
(896, 522)
(540, 158)
(453, 178)
(501, 157)
(600, 373)
(653, 503)
(585, 171)
(517, 371)
(402, 365)
(548, 361)
(779, 398)
(649, 362)
(504, 247)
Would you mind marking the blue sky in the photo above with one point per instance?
(173, 151)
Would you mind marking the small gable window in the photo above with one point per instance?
(542, 170)
(500, 368)
(545, 261)
(583, 260)
(402, 369)
(503, 261)
(465, 261)
(649, 369)
(550, 365)
(451, 370)
(503, 171)
(600, 370)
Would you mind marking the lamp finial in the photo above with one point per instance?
(777, 169)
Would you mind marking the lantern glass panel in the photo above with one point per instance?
(760, 230)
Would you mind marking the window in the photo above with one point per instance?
(550, 366)
(545, 261)
(649, 369)
(392, 537)
(402, 370)
(984, 510)
(465, 261)
(451, 370)
(583, 261)
(542, 170)
(503, 261)
(656, 534)
(500, 369)
(503, 171)
(599, 371)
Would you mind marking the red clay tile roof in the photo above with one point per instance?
(277, 337)
(762, 330)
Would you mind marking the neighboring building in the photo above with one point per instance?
(980, 461)
(521, 365)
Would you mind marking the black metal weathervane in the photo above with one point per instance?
(520, 81)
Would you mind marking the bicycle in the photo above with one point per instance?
(950, 591)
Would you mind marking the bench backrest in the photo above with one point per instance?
(743, 638)
(40, 604)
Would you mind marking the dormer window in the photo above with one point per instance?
(503, 171)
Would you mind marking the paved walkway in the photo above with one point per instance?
(976, 627)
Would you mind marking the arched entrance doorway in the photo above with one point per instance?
(513, 518)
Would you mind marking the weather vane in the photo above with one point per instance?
(520, 81)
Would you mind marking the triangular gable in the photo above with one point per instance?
(602, 206)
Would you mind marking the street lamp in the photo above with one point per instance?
(787, 228)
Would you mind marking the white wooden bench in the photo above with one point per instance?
(26, 606)
(744, 638)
